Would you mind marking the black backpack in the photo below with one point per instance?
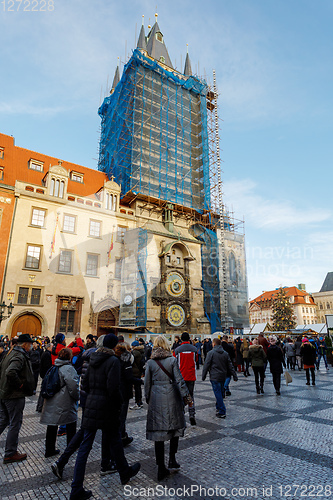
(51, 383)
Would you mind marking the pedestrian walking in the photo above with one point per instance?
(16, 382)
(187, 356)
(276, 361)
(45, 365)
(35, 358)
(101, 382)
(122, 351)
(322, 349)
(165, 389)
(257, 358)
(218, 365)
(290, 352)
(138, 352)
(244, 350)
(61, 409)
(298, 345)
(308, 352)
(228, 346)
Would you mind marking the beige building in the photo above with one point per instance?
(86, 263)
(324, 299)
(302, 303)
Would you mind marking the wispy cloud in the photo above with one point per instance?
(270, 212)
(20, 108)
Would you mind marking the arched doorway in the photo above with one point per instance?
(27, 323)
(105, 320)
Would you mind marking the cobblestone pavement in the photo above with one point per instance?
(267, 447)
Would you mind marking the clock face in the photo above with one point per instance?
(127, 300)
(175, 284)
(176, 315)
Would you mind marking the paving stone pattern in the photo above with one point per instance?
(269, 446)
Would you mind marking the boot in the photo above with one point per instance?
(258, 390)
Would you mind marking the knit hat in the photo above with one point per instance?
(135, 343)
(110, 341)
(90, 336)
(305, 339)
(185, 337)
(100, 340)
(59, 338)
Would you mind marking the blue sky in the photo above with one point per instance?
(273, 61)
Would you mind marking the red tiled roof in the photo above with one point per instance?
(291, 291)
(16, 160)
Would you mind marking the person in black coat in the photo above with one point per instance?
(308, 353)
(102, 385)
(276, 360)
(122, 351)
(35, 358)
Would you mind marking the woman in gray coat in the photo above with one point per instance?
(62, 408)
(164, 391)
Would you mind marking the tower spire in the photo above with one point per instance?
(142, 44)
(187, 67)
(116, 78)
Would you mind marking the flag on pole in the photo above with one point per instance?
(54, 236)
(109, 252)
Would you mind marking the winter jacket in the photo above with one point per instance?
(55, 351)
(45, 363)
(244, 348)
(275, 358)
(85, 363)
(229, 348)
(102, 385)
(218, 364)
(257, 356)
(16, 376)
(207, 346)
(322, 348)
(164, 397)
(298, 345)
(187, 355)
(308, 353)
(139, 359)
(289, 349)
(239, 356)
(61, 409)
(126, 375)
(35, 355)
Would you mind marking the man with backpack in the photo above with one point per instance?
(187, 356)
(16, 382)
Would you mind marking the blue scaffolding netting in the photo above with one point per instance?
(154, 137)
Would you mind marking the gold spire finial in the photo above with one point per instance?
(143, 19)
(156, 15)
(187, 48)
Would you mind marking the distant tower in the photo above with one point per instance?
(154, 127)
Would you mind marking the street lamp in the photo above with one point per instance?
(3, 307)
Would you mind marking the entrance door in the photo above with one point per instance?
(28, 323)
(105, 320)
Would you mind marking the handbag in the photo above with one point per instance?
(187, 400)
(288, 377)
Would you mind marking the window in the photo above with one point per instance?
(38, 217)
(32, 260)
(69, 223)
(1, 173)
(77, 177)
(162, 59)
(29, 295)
(111, 201)
(320, 306)
(92, 264)
(57, 188)
(159, 37)
(67, 319)
(2, 153)
(36, 165)
(328, 305)
(65, 261)
(117, 273)
(168, 259)
(178, 260)
(95, 228)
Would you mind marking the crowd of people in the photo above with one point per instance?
(102, 375)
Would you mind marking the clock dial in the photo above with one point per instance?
(176, 315)
(175, 284)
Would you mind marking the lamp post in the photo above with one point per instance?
(3, 307)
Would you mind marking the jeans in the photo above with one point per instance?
(226, 384)
(110, 439)
(51, 436)
(307, 374)
(218, 388)
(259, 374)
(138, 391)
(190, 386)
(11, 415)
(276, 380)
(319, 358)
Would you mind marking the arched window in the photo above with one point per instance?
(232, 269)
(62, 188)
(56, 187)
(114, 203)
(52, 187)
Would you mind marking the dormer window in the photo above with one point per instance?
(36, 165)
(162, 59)
(291, 299)
(159, 37)
(77, 177)
(57, 188)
